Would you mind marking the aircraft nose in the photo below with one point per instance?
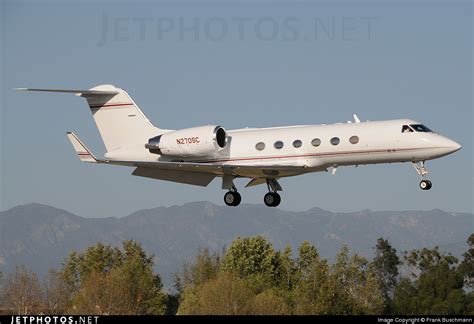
(456, 146)
(452, 146)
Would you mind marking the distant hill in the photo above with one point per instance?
(41, 236)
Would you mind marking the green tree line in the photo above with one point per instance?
(249, 277)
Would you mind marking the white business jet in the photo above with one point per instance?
(264, 155)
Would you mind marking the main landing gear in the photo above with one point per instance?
(232, 197)
(423, 172)
(272, 198)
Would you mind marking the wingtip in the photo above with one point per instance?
(20, 89)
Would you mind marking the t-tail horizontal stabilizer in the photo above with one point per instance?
(82, 151)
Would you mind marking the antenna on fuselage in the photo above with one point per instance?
(356, 119)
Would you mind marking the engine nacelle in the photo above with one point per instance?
(189, 142)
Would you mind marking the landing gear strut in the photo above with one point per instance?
(232, 197)
(423, 172)
(272, 198)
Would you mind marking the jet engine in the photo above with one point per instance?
(189, 142)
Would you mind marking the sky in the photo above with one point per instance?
(236, 64)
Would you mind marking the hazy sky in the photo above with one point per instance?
(236, 64)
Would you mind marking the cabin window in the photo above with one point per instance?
(297, 143)
(260, 146)
(316, 142)
(406, 129)
(335, 140)
(354, 139)
(420, 128)
(278, 145)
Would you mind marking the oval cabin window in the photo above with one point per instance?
(260, 146)
(316, 142)
(278, 145)
(354, 139)
(335, 140)
(297, 143)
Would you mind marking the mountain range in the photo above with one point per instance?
(41, 236)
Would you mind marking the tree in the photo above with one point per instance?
(348, 286)
(288, 269)
(56, 293)
(307, 256)
(205, 267)
(103, 294)
(107, 280)
(437, 287)
(227, 294)
(98, 258)
(144, 286)
(269, 303)
(22, 292)
(385, 268)
(354, 288)
(405, 301)
(2, 302)
(467, 266)
(312, 283)
(255, 260)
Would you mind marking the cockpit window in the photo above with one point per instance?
(406, 129)
(421, 128)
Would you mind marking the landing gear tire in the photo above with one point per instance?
(232, 198)
(272, 199)
(425, 184)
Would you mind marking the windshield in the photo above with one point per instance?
(420, 128)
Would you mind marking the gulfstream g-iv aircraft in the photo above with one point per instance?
(264, 155)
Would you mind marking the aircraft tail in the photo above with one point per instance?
(118, 118)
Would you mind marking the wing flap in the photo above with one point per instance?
(192, 178)
(256, 182)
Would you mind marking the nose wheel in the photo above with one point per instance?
(422, 171)
(272, 199)
(232, 198)
(425, 184)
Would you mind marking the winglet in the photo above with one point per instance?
(82, 151)
(356, 119)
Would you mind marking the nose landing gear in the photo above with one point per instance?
(425, 184)
(423, 172)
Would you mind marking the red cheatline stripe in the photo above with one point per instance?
(111, 105)
(83, 153)
(310, 155)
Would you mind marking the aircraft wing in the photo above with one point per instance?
(218, 169)
(192, 173)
